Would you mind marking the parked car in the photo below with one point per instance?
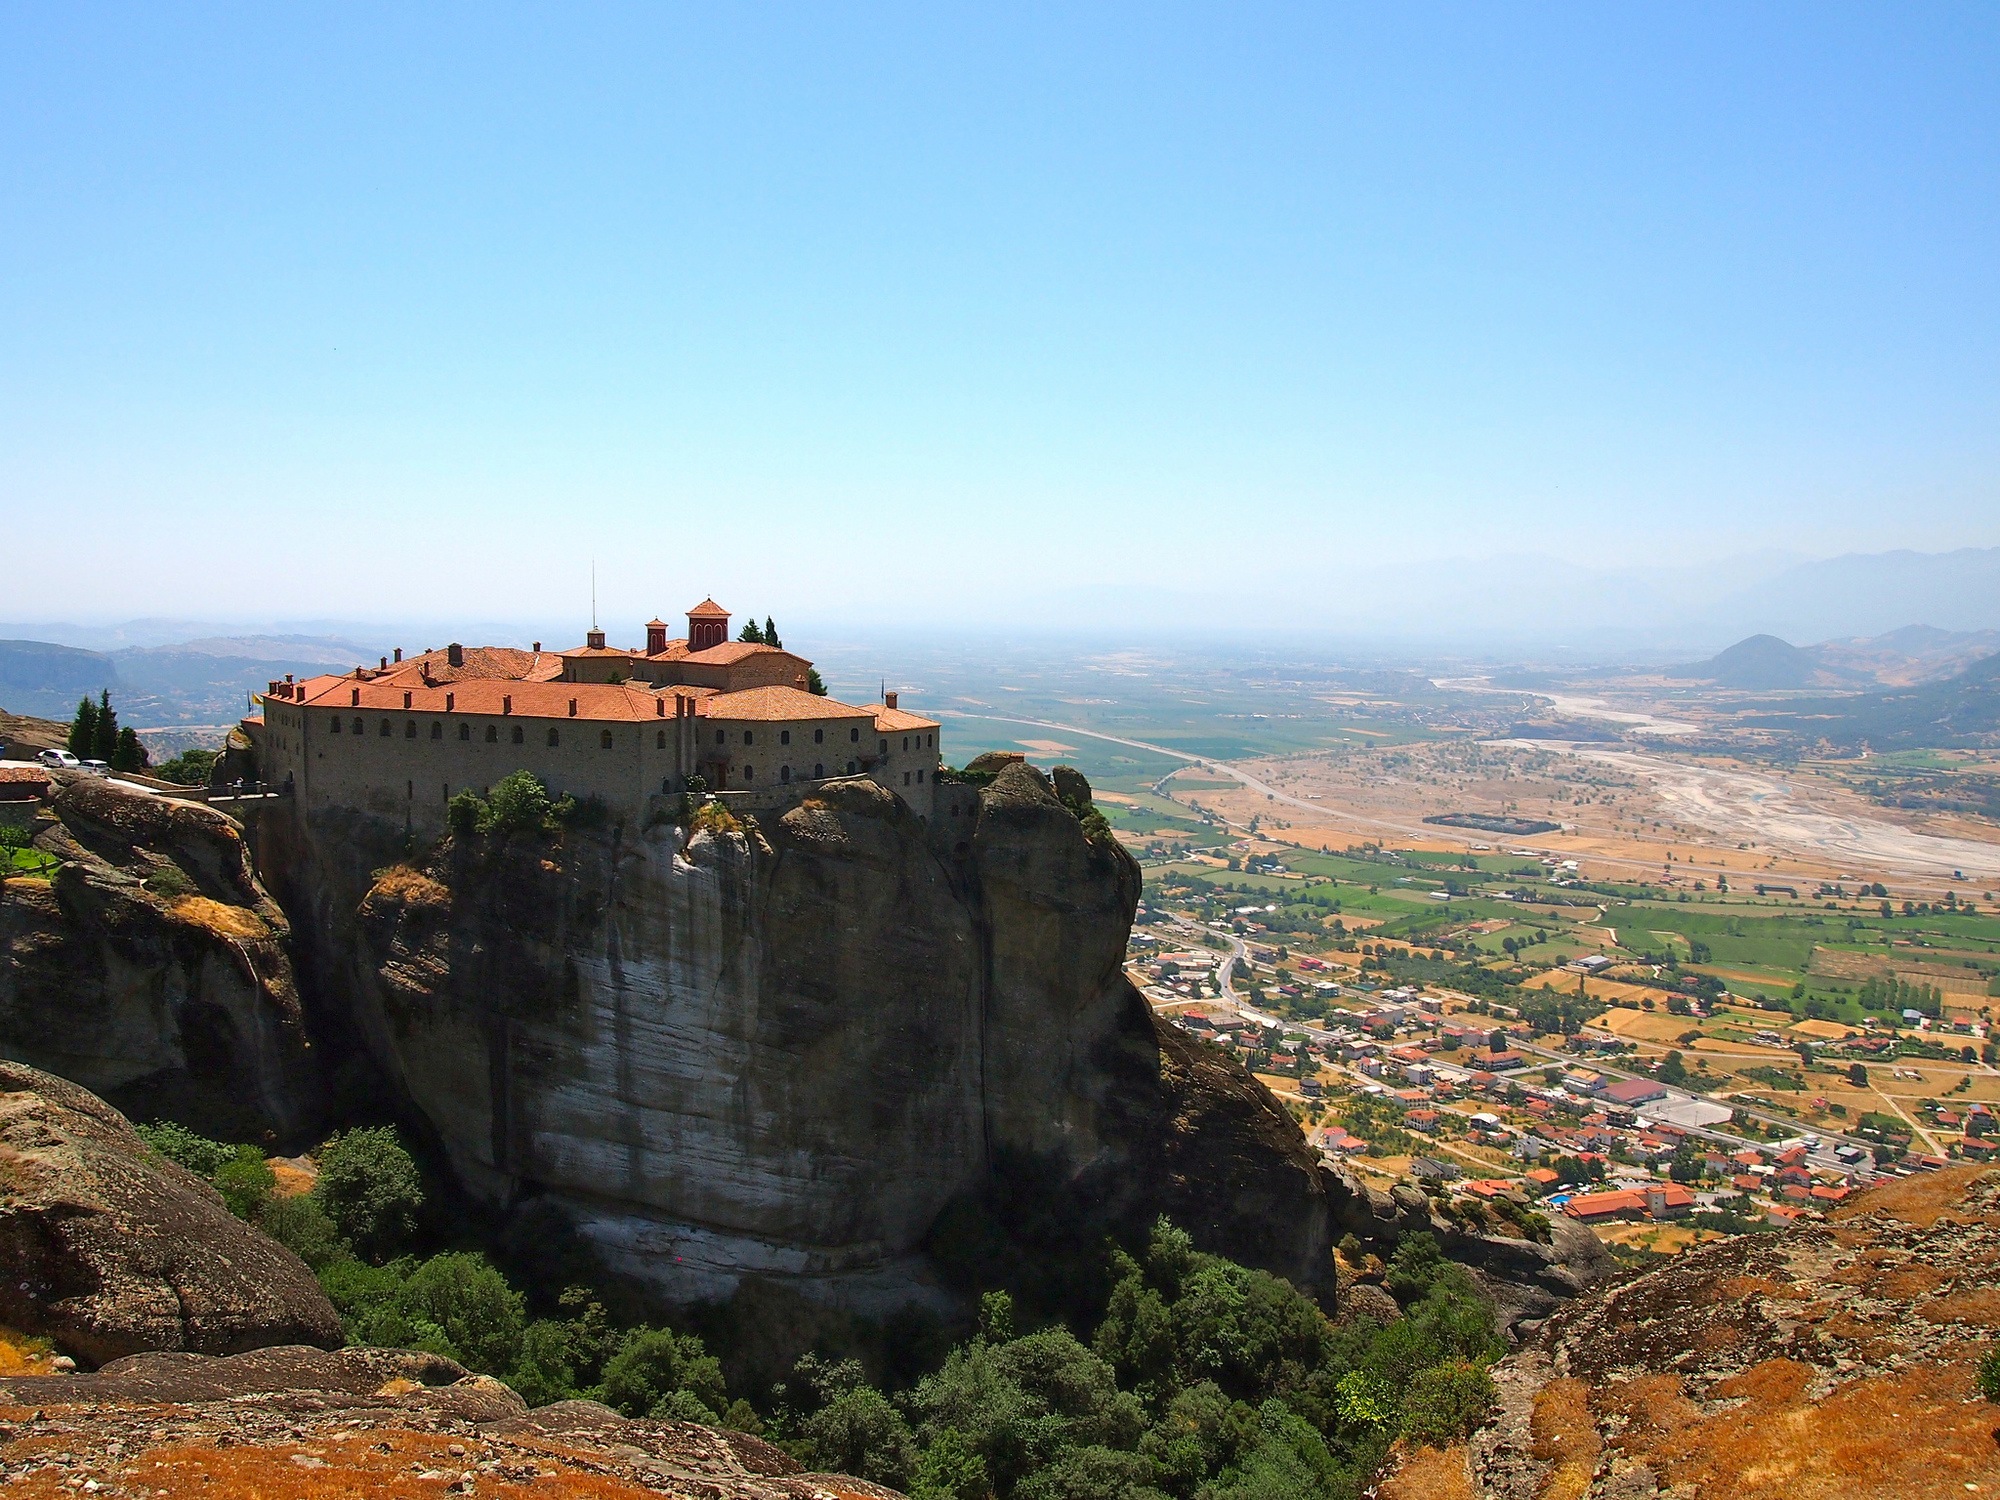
(97, 767)
(61, 760)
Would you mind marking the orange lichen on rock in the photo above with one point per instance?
(1431, 1474)
(219, 918)
(1917, 1200)
(1565, 1435)
(21, 1354)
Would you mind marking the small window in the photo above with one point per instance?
(409, 729)
(920, 778)
(554, 738)
(854, 734)
(465, 731)
(850, 768)
(748, 772)
(784, 736)
(437, 730)
(819, 736)
(385, 729)
(784, 773)
(336, 723)
(660, 740)
(518, 736)
(492, 734)
(410, 790)
(818, 771)
(906, 778)
(749, 737)
(666, 785)
(906, 742)
(357, 726)
(604, 739)
(718, 737)
(885, 747)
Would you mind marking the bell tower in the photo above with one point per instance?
(708, 625)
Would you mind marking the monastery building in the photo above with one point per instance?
(401, 739)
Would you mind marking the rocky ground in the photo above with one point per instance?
(298, 1422)
(1834, 1360)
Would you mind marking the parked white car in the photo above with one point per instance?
(97, 767)
(61, 760)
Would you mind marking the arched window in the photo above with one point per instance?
(906, 742)
(906, 778)
(850, 768)
(718, 737)
(493, 734)
(666, 785)
(518, 736)
(336, 723)
(784, 773)
(437, 730)
(385, 729)
(409, 729)
(818, 771)
(465, 731)
(554, 738)
(784, 736)
(357, 726)
(604, 739)
(749, 771)
(660, 740)
(748, 736)
(885, 748)
(819, 736)
(855, 734)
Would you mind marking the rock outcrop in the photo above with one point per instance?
(303, 1422)
(153, 968)
(1527, 1279)
(1830, 1360)
(783, 1051)
(110, 1250)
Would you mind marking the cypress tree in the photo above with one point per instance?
(129, 755)
(771, 633)
(751, 632)
(104, 736)
(83, 730)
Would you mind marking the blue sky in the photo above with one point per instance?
(965, 315)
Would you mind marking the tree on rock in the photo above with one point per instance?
(369, 1186)
(104, 733)
(129, 754)
(83, 730)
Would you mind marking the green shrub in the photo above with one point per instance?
(1989, 1375)
(246, 1183)
(860, 1433)
(519, 804)
(369, 1187)
(471, 1304)
(466, 814)
(177, 1143)
(653, 1365)
(1445, 1403)
(301, 1226)
(189, 768)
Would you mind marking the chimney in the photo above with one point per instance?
(572, 708)
(288, 677)
(659, 708)
(455, 654)
(385, 661)
(399, 653)
(888, 700)
(406, 700)
(538, 648)
(357, 698)
(450, 702)
(507, 704)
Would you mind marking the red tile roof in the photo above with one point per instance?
(480, 661)
(895, 720)
(734, 651)
(497, 697)
(777, 703)
(708, 609)
(30, 774)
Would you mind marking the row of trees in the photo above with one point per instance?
(767, 635)
(94, 734)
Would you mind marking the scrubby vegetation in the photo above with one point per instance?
(1174, 1375)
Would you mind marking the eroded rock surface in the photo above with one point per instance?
(287, 1422)
(110, 1250)
(1827, 1360)
(154, 969)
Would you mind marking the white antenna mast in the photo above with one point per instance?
(593, 593)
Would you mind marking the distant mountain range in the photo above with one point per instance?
(1907, 657)
(1962, 710)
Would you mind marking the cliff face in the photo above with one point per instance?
(154, 969)
(784, 1051)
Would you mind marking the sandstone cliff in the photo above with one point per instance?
(1831, 1360)
(784, 1051)
(154, 969)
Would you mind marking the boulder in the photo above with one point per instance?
(109, 1250)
